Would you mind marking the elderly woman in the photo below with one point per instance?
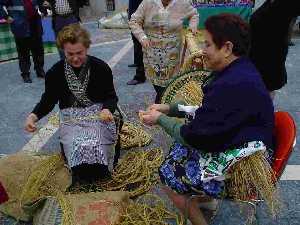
(83, 87)
(235, 119)
(157, 24)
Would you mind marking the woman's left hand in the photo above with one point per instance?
(106, 115)
(149, 117)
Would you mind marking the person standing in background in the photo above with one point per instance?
(64, 12)
(158, 25)
(269, 44)
(137, 49)
(26, 26)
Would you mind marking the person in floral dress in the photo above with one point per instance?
(158, 25)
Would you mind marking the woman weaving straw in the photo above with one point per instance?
(235, 119)
(83, 87)
(157, 24)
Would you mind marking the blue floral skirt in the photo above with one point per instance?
(188, 170)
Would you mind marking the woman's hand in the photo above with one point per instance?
(30, 123)
(146, 43)
(9, 20)
(149, 117)
(163, 108)
(106, 115)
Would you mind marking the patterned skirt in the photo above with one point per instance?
(190, 171)
(85, 138)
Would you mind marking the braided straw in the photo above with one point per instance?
(195, 60)
(136, 173)
(149, 209)
(186, 87)
(251, 178)
(132, 135)
(38, 184)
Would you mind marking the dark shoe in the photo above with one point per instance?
(134, 82)
(27, 79)
(40, 74)
(132, 65)
(291, 43)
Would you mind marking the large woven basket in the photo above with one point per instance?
(185, 87)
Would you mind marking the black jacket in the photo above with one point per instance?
(269, 42)
(100, 88)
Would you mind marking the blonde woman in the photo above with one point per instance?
(83, 87)
(157, 24)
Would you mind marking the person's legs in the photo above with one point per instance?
(185, 206)
(23, 50)
(138, 61)
(89, 173)
(291, 26)
(159, 93)
(37, 50)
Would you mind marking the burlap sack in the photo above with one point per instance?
(93, 208)
(18, 175)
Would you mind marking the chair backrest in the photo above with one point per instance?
(285, 137)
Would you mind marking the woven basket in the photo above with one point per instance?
(180, 88)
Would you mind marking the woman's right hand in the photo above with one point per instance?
(163, 108)
(30, 123)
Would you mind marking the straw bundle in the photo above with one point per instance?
(136, 172)
(133, 136)
(49, 177)
(149, 210)
(251, 178)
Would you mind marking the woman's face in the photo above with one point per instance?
(76, 54)
(214, 57)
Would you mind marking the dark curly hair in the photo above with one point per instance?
(229, 27)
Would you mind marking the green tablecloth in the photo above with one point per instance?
(8, 47)
(205, 12)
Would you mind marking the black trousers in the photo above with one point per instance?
(159, 93)
(33, 44)
(138, 60)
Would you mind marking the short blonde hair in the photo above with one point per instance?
(73, 34)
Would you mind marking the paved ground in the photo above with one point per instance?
(17, 100)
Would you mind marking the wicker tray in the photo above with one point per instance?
(186, 87)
